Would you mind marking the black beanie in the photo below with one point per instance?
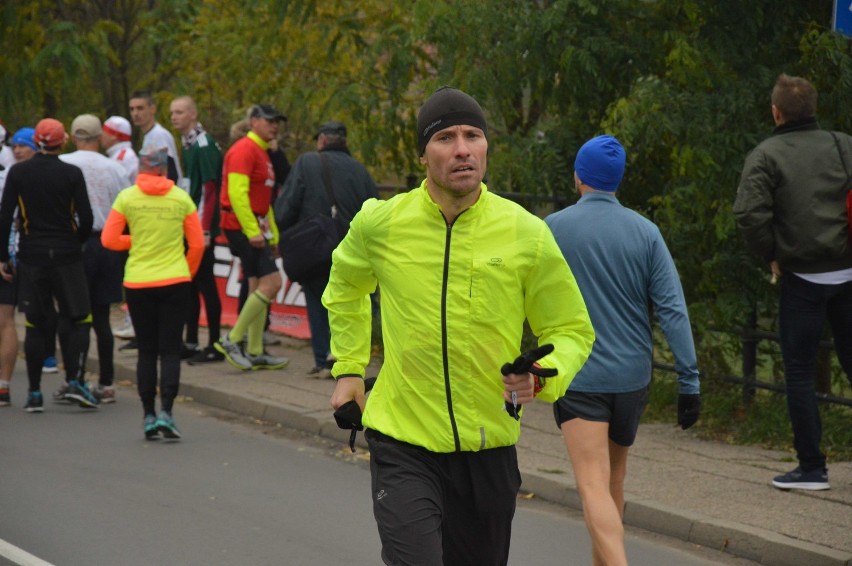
(447, 107)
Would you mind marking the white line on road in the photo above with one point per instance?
(20, 556)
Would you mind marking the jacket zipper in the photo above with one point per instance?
(445, 354)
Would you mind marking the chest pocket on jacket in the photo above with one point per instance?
(494, 288)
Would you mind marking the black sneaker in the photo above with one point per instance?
(188, 350)
(815, 480)
(130, 345)
(205, 356)
(35, 402)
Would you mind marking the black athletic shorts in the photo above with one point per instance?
(256, 262)
(8, 292)
(621, 410)
(39, 285)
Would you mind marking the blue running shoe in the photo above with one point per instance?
(35, 402)
(166, 425)
(80, 393)
(50, 365)
(152, 431)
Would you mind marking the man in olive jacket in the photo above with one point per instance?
(790, 207)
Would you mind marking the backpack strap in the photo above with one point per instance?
(842, 159)
(329, 189)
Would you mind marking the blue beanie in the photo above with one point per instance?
(600, 163)
(25, 136)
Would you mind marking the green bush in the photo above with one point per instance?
(727, 418)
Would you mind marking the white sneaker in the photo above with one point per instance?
(126, 331)
(233, 353)
(104, 393)
(270, 339)
(267, 361)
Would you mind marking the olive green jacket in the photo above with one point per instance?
(791, 200)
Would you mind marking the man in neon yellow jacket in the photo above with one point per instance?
(459, 269)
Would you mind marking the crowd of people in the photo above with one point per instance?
(106, 224)
(461, 271)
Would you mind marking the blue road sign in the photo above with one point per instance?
(843, 17)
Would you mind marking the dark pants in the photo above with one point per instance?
(803, 309)
(40, 289)
(105, 343)
(104, 273)
(434, 509)
(318, 320)
(204, 284)
(158, 314)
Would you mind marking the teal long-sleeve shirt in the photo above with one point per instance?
(622, 266)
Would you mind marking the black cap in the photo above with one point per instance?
(333, 128)
(266, 111)
(447, 107)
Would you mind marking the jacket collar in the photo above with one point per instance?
(339, 146)
(598, 197)
(796, 126)
(432, 205)
(154, 185)
(258, 140)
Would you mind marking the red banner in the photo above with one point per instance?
(288, 314)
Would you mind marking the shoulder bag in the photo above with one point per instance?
(306, 247)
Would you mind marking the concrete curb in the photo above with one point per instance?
(761, 546)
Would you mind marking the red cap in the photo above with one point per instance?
(49, 134)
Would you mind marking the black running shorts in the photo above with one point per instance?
(256, 262)
(621, 410)
(39, 285)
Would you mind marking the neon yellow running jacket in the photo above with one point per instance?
(453, 303)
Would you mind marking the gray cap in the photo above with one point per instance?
(152, 157)
(333, 128)
(86, 127)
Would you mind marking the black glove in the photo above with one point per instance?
(525, 363)
(348, 415)
(688, 409)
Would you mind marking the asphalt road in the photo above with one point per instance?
(84, 487)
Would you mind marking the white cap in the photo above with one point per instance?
(118, 127)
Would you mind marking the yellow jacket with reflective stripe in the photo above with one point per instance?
(453, 303)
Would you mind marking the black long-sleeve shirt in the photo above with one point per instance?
(56, 216)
